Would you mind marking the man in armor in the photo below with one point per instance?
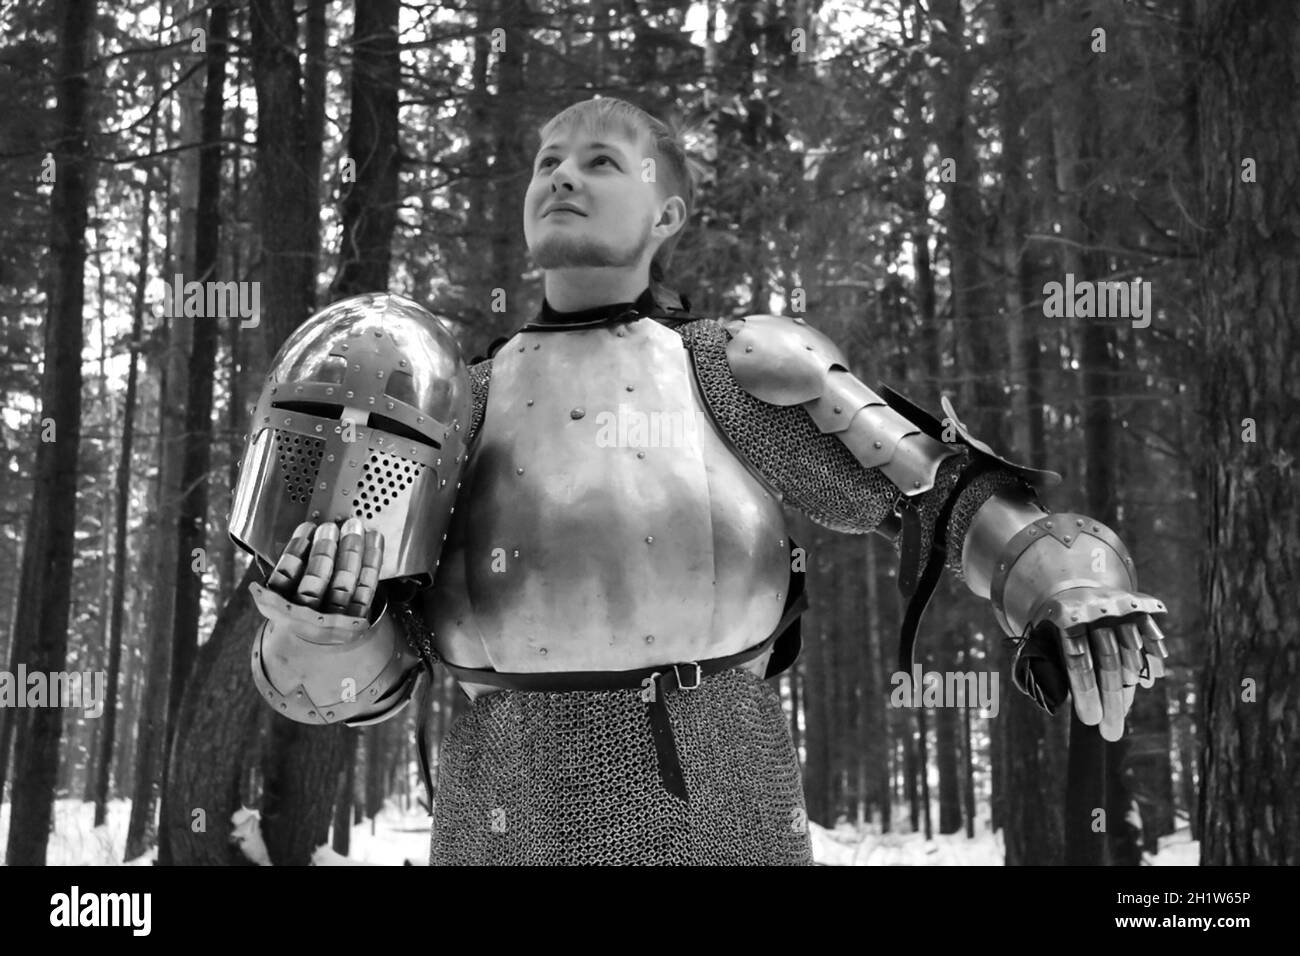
(614, 586)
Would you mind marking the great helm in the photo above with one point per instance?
(364, 414)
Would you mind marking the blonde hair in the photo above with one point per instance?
(664, 145)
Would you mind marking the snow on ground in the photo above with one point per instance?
(403, 837)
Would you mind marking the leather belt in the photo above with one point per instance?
(654, 683)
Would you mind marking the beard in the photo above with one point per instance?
(562, 250)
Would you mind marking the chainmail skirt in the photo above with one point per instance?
(541, 778)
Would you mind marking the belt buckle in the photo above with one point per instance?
(698, 675)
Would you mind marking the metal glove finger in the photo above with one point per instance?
(372, 560)
(1105, 649)
(320, 565)
(1130, 653)
(1131, 637)
(347, 565)
(1153, 641)
(289, 567)
(1083, 679)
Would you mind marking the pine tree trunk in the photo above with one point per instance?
(1250, 288)
(41, 638)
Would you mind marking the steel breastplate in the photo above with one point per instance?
(602, 524)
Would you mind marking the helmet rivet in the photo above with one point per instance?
(298, 389)
(349, 393)
(798, 321)
(315, 514)
(330, 390)
(640, 454)
(356, 367)
(1066, 539)
(649, 539)
(1078, 522)
(390, 404)
(321, 485)
(516, 553)
(916, 484)
(352, 463)
(530, 401)
(778, 595)
(631, 389)
(1047, 524)
(521, 348)
(577, 413)
(344, 347)
(838, 410)
(458, 426)
(519, 471)
(649, 638)
(329, 457)
(542, 651)
(875, 444)
(1095, 528)
(749, 348)
(420, 419)
(379, 374)
(320, 428)
(402, 363)
(537, 346)
(438, 462)
(619, 333)
(274, 389)
(378, 334)
(443, 484)
(288, 421)
(1134, 603)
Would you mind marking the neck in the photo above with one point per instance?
(571, 290)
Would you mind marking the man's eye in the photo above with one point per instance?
(542, 163)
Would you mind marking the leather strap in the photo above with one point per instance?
(924, 589)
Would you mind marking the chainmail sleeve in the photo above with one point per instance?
(480, 376)
(814, 472)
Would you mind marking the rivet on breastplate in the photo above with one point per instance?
(749, 348)
(838, 410)
(875, 444)
(516, 553)
(519, 471)
(537, 346)
(329, 457)
(577, 413)
(640, 454)
(916, 484)
(649, 539)
(521, 348)
(542, 651)
(1067, 539)
(778, 595)
(530, 402)
(649, 638)
(631, 388)
(781, 543)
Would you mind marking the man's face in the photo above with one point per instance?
(599, 174)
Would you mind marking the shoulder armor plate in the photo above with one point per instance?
(780, 360)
